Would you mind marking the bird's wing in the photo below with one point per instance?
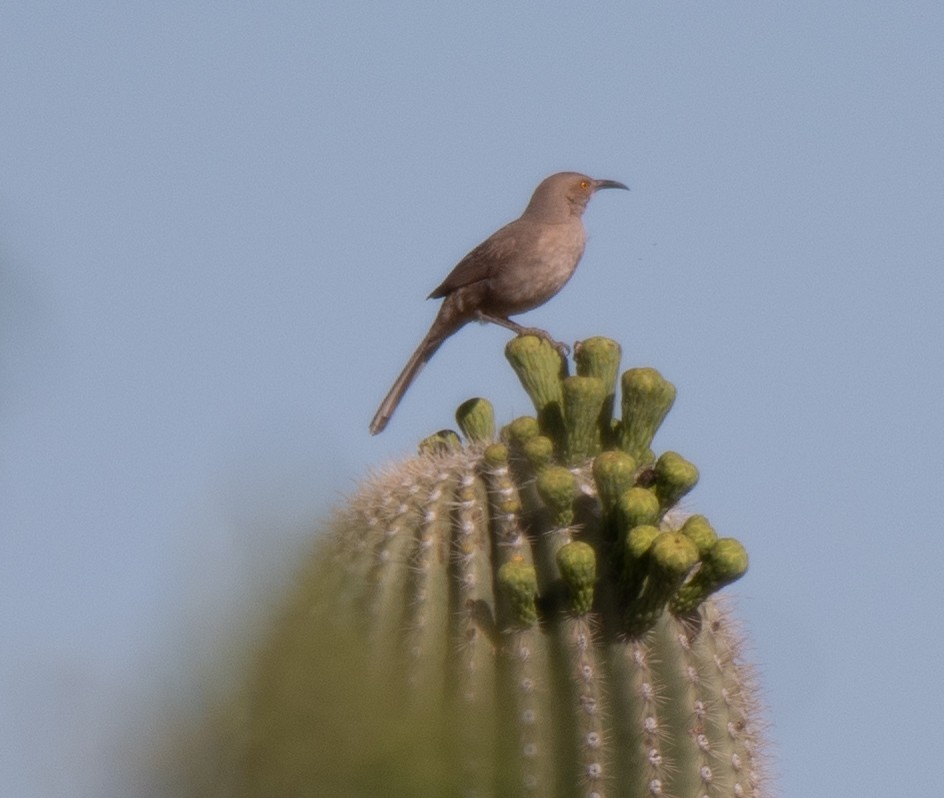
(480, 263)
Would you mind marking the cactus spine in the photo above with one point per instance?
(526, 616)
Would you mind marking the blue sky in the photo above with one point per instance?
(218, 223)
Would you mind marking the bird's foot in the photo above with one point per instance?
(560, 346)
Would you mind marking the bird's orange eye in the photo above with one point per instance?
(585, 184)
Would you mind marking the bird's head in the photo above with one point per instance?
(565, 194)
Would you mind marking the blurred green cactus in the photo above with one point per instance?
(527, 616)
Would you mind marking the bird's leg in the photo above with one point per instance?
(508, 324)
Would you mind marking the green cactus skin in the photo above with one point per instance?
(517, 618)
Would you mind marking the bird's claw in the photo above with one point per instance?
(562, 348)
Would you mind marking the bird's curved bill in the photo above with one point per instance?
(598, 184)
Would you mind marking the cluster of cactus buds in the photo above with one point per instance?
(526, 612)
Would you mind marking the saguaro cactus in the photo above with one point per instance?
(521, 614)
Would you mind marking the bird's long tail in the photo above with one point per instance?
(427, 348)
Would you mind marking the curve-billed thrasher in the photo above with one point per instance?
(517, 268)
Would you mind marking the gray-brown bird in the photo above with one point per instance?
(517, 268)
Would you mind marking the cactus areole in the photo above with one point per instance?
(523, 614)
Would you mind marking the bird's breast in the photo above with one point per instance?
(539, 271)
